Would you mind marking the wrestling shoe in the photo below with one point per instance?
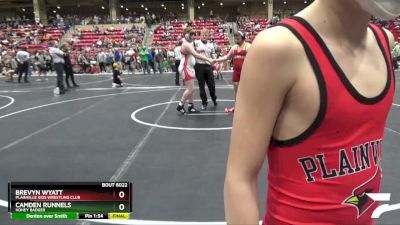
(231, 110)
(191, 109)
(181, 109)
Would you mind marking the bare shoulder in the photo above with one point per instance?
(390, 37)
(279, 49)
(185, 47)
(235, 47)
(185, 44)
(278, 42)
(272, 61)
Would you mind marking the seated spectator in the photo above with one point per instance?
(79, 33)
(96, 29)
(46, 37)
(8, 72)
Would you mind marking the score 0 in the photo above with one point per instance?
(121, 196)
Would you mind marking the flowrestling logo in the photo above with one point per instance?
(382, 197)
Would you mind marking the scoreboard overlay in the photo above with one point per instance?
(69, 200)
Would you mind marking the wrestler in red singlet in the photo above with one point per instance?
(334, 163)
(314, 101)
(238, 52)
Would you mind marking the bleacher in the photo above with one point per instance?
(251, 30)
(170, 33)
(40, 37)
(89, 38)
(166, 35)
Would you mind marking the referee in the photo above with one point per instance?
(204, 70)
(22, 58)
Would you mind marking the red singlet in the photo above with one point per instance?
(322, 176)
(238, 59)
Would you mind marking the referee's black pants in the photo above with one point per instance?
(205, 75)
(177, 63)
(23, 68)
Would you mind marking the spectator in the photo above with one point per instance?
(41, 62)
(14, 65)
(32, 64)
(101, 59)
(151, 60)
(159, 58)
(130, 60)
(69, 72)
(144, 59)
(166, 65)
(109, 59)
(9, 65)
(79, 33)
(148, 20)
(96, 29)
(8, 73)
(117, 56)
(84, 62)
(275, 19)
(49, 62)
(46, 37)
(170, 54)
(99, 43)
(22, 58)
